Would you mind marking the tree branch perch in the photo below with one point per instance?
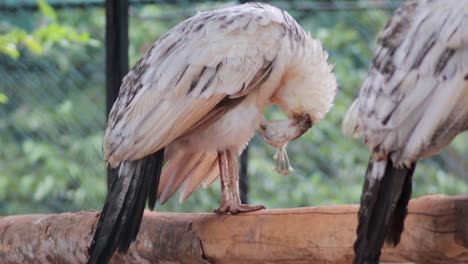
(436, 231)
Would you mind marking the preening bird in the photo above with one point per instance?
(193, 101)
(413, 103)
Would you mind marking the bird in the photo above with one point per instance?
(412, 104)
(192, 102)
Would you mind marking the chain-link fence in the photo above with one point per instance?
(52, 106)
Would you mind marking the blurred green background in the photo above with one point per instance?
(52, 109)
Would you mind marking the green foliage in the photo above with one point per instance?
(3, 98)
(48, 33)
(52, 115)
(47, 10)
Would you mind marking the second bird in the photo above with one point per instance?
(413, 103)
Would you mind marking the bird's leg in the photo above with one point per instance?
(230, 197)
(234, 180)
(224, 175)
(279, 133)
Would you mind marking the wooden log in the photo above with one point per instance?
(435, 232)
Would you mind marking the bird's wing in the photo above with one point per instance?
(188, 73)
(417, 81)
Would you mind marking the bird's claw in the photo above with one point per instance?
(237, 208)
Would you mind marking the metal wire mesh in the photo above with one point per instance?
(51, 124)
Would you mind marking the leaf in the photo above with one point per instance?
(26, 184)
(65, 108)
(31, 43)
(44, 188)
(3, 98)
(10, 50)
(47, 10)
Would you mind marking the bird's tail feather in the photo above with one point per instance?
(137, 182)
(384, 200)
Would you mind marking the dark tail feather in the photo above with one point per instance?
(155, 170)
(383, 209)
(397, 222)
(121, 216)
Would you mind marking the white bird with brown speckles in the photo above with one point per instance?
(413, 103)
(192, 103)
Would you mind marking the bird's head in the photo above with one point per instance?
(308, 86)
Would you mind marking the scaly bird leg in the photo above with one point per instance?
(279, 133)
(230, 197)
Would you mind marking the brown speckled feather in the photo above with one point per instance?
(411, 104)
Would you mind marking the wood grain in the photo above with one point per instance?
(435, 232)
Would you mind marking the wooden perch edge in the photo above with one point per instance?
(436, 231)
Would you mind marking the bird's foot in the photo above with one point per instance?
(235, 208)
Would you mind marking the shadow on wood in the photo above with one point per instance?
(435, 232)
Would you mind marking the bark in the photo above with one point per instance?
(435, 232)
